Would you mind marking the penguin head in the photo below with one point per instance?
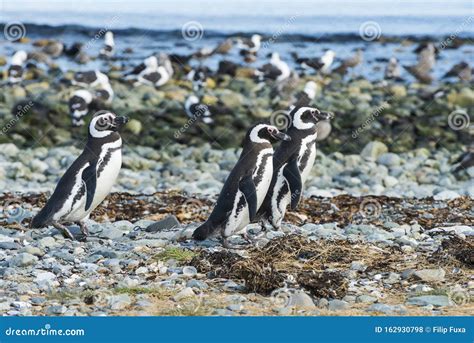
(151, 62)
(105, 123)
(263, 133)
(304, 118)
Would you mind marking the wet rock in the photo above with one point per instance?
(387, 309)
(55, 310)
(300, 300)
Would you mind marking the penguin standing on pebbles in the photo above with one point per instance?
(108, 50)
(89, 179)
(292, 163)
(15, 71)
(245, 187)
(79, 106)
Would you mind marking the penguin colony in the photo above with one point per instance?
(274, 164)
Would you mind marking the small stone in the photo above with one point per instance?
(44, 276)
(435, 300)
(189, 271)
(430, 275)
(235, 307)
(358, 265)
(323, 303)
(446, 195)
(56, 309)
(373, 150)
(33, 250)
(47, 243)
(168, 223)
(300, 300)
(387, 309)
(338, 305)
(111, 233)
(119, 302)
(23, 260)
(366, 299)
(389, 159)
(9, 246)
(185, 293)
(197, 284)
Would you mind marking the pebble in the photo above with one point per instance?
(430, 275)
(119, 302)
(435, 300)
(387, 309)
(23, 260)
(168, 223)
(301, 300)
(338, 305)
(184, 293)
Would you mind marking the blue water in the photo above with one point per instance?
(305, 27)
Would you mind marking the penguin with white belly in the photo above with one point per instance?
(245, 187)
(89, 179)
(292, 163)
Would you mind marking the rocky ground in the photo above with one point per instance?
(378, 233)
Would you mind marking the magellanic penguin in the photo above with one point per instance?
(15, 71)
(79, 106)
(89, 179)
(108, 50)
(245, 187)
(292, 163)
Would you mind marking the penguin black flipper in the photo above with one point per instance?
(89, 176)
(292, 174)
(247, 187)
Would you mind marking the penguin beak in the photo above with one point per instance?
(281, 136)
(119, 122)
(324, 116)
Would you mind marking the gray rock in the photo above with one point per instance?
(430, 275)
(56, 309)
(373, 150)
(235, 307)
(47, 243)
(23, 260)
(338, 305)
(168, 223)
(33, 250)
(446, 195)
(300, 300)
(435, 300)
(387, 309)
(184, 293)
(366, 299)
(119, 302)
(9, 246)
(197, 284)
(389, 159)
(323, 303)
(111, 233)
(189, 271)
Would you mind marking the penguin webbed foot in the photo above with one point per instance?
(84, 229)
(64, 230)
